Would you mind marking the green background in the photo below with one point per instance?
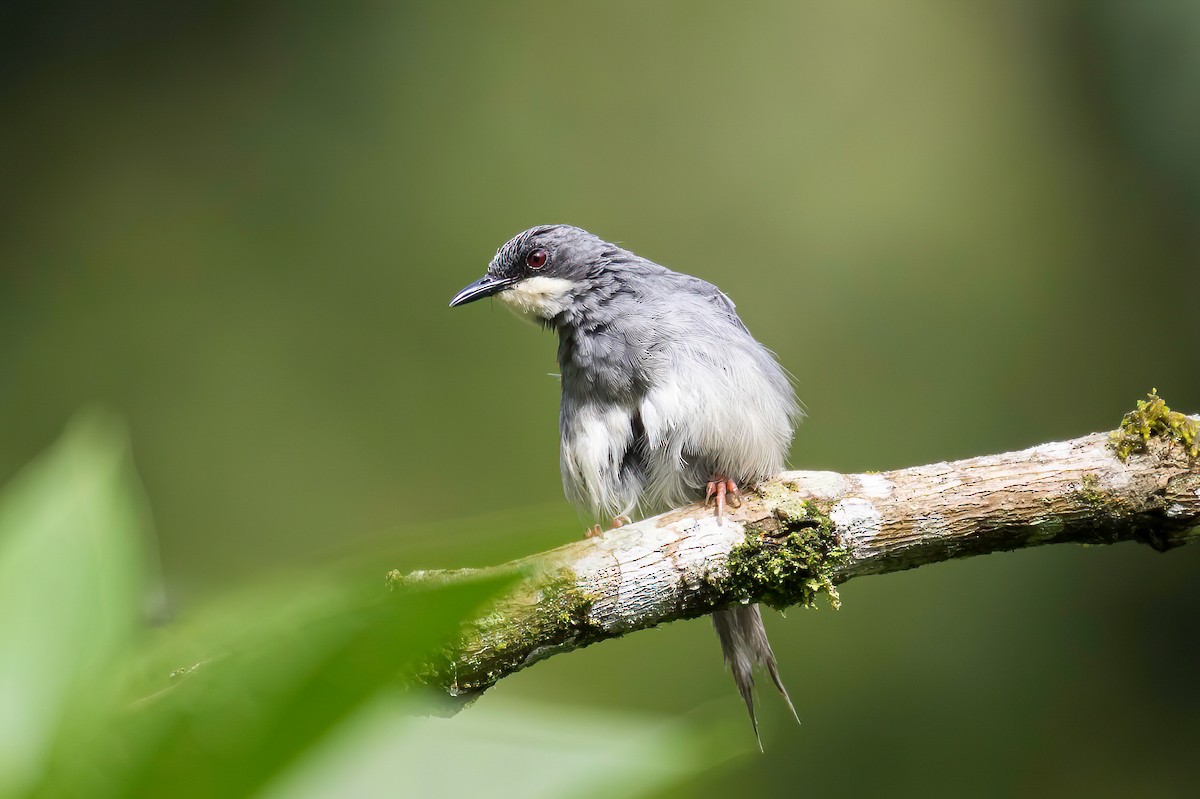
(965, 228)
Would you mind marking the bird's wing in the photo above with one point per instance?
(719, 299)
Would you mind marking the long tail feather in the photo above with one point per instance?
(745, 645)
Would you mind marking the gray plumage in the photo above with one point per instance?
(663, 390)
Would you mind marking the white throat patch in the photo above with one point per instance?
(538, 297)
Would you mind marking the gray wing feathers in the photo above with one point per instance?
(668, 382)
(722, 301)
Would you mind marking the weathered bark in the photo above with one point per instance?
(804, 532)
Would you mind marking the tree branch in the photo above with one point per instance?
(803, 533)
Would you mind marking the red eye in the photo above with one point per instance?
(537, 259)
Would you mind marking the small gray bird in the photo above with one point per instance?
(666, 396)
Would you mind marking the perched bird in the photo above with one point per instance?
(666, 397)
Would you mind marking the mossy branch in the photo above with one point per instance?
(804, 533)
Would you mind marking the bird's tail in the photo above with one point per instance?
(744, 642)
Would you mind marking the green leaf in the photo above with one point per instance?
(506, 747)
(71, 580)
(284, 665)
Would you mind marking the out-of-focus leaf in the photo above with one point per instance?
(507, 748)
(71, 580)
(283, 666)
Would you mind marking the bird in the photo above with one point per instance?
(666, 396)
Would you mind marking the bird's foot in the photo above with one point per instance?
(722, 489)
(618, 521)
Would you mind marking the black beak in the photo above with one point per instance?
(485, 286)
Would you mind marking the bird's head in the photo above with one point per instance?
(540, 271)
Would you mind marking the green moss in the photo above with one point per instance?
(563, 603)
(1090, 492)
(1153, 419)
(788, 563)
(549, 608)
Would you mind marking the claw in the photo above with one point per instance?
(725, 491)
(618, 521)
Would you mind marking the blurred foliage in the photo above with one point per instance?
(70, 586)
(94, 708)
(964, 227)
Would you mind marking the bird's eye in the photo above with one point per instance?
(537, 258)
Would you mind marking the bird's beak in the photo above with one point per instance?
(485, 286)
